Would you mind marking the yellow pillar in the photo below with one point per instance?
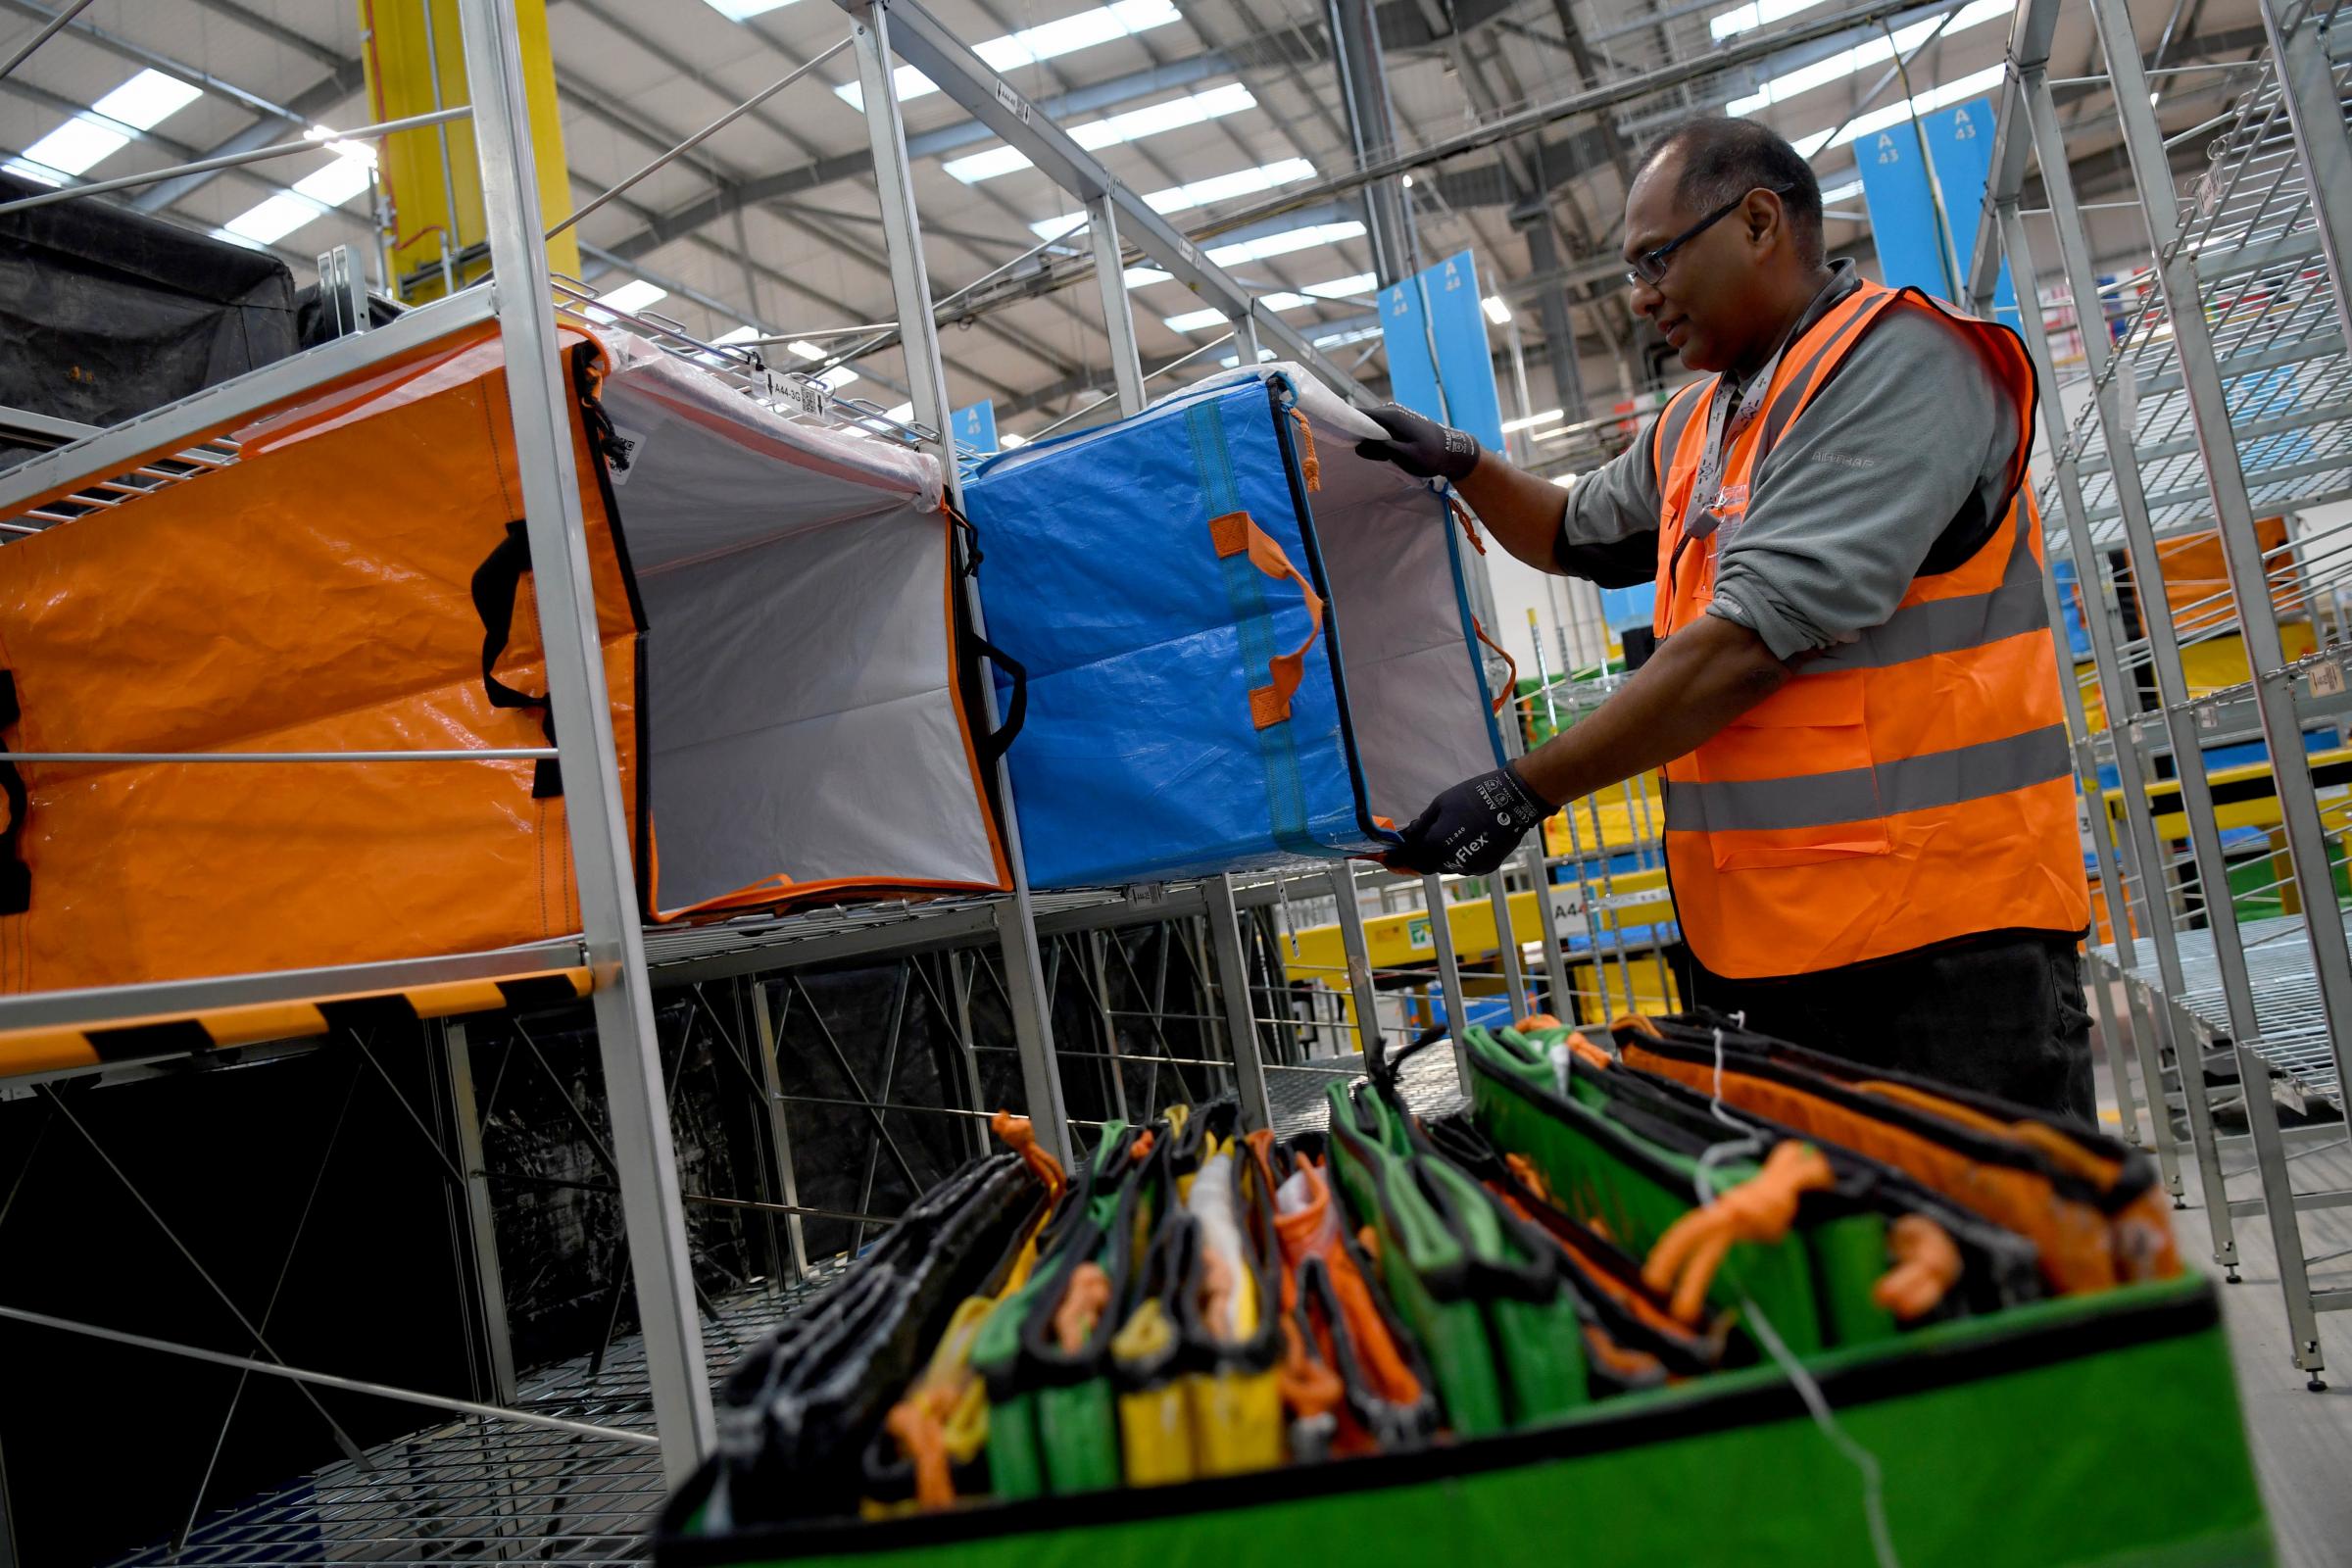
(416, 63)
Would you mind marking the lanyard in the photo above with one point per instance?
(1727, 419)
(1724, 424)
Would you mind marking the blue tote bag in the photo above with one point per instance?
(1245, 645)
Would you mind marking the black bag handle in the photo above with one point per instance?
(993, 745)
(15, 877)
(496, 582)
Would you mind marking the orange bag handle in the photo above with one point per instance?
(1461, 514)
(1233, 533)
(1512, 690)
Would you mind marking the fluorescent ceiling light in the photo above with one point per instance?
(1258, 249)
(801, 348)
(1862, 57)
(1232, 361)
(1496, 311)
(147, 100)
(314, 196)
(634, 295)
(1200, 193)
(1009, 440)
(1878, 119)
(1316, 293)
(1333, 340)
(1838, 193)
(1531, 422)
(1046, 42)
(902, 413)
(745, 10)
(1747, 17)
(1564, 481)
(1133, 126)
(836, 379)
(739, 334)
(142, 103)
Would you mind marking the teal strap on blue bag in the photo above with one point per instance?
(1248, 556)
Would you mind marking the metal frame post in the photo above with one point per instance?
(489, 1283)
(2172, 681)
(2086, 752)
(1450, 972)
(779, 1129)
(1359, 950)
(2141, 852)
(959, 983)
(1118, 315)
(1240, 1013)
(1096, 943)
(926, 379)
(539, 404)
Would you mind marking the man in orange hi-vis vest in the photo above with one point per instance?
(1870, 818)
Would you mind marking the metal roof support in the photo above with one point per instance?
(1372, 128)
(923, 43)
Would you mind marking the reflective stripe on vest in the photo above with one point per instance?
(1948, 625)
(1884, 789)
(1906, 788)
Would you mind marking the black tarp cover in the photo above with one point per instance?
(108, 313)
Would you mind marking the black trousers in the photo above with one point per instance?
(2000, 1014)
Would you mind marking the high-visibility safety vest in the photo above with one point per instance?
(1903, 789)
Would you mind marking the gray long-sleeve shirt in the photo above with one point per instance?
(1897, 465)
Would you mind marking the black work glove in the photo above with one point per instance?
(1421, 447)
(1473, 827)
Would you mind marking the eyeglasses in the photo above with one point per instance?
(1650, 265)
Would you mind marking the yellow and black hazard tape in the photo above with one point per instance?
(28, 1050)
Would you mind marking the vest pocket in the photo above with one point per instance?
(1791, 782)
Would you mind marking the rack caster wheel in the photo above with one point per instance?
(2230, 1277)
(2317, 1384)
(2180, 1205)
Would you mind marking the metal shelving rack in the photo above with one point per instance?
(543, 1441)
(2224, 398)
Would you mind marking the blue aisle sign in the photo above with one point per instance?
(975, 427)
(1440, 304)
(1903, 212)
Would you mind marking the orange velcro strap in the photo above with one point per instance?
(1461, 514)
(1310, 468)
(1308, 1387)
(1233, 533)
(1512, 690)
(1926, 1264)
(1759, 1209)
(1015, 1134)
(1083, 1303)
(920, 1437)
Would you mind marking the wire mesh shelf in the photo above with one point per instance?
(2286, 998)
(482, 1490)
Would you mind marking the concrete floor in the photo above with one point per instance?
(2302, 1441)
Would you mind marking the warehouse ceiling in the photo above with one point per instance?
(1228, 107)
